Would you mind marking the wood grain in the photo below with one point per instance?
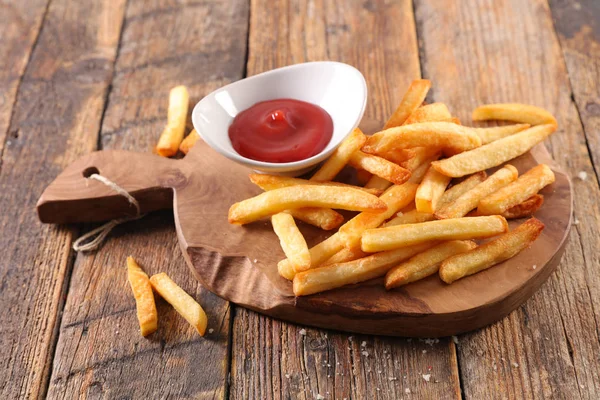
(57, 112)
(507, 51)
(100, 352)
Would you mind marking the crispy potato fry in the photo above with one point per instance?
(378, 183)
(434, 112)
(460, 188)
(493, 154)
(456, 121)
(144, 298)
(395, 198)
(517, 192)
(418, 156)
(515, 112)
(526, 208)
(488, 135)
(469, 200)
(380, 167)
(324, 218)
(430, 190)
(318, 255)
(363, 269)
(189, 141)
(418, 173)
(300, 196)
(399, 156)
(182, 302)
(492, 252)
(340, 157)
(414, 96)
(409, 217)
(172, 135)
(392, 237)
(439, 135)
(363, 177)
(426, 263)
(291, 239)
(345, 255)
(271, 182)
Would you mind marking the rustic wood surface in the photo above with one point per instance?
(78, 76)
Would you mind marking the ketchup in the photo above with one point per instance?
(281, 130)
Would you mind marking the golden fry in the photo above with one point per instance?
(439, 135)
(340, 157)
(488, 135)
(392, 237)
(434, 112)
(171, 138)
(426, 263)
(189, 141)
(182, 302)
(414, 97)
(271, 182)
(409, 217)
(418, 156)
(291, 239)
(318, 255)
(144, 298)
(345, 255)
(337, 275)
(515, 112)
(526, 208)
(380, 167)
(469, 200)
(418, 173)
(378, 183)
(460, 188)
(324, 218)
(399, 156)
(493, 154)
(300, 196)
(492, 252)
(430, 190)
(517, 192)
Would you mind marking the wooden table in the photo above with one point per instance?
(76, 76)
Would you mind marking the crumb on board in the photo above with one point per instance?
(426, 377)
(365, 353)
(255, 261)
(399, 214)
(455, 339)
(582, 175)
(303, 332)
(407, 391)
(534, 266)
(516, 365)
(211, 330)
(575, 221)
(363, 344)
(320, 397)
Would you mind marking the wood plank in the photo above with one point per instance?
(100, 351)
(506, 51)
(273, 359)
(55, 120)
(20, 24)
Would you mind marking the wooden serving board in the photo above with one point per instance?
(240, 263)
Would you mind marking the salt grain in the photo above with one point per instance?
(350, 338)
(575, 221)
(319, 397)
(534, 266)
(287, 376)
(407, 391)
(424, 351)
(399, 214)
(582, 175)
(427, 377)
(303, 332)
(365, 353)
(516, 365)
(255, 261)
(392, 378)
(455, 339)
(363, 344)
(211, 330)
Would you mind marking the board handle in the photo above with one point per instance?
(73, 197)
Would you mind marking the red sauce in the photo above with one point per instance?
(282, 130)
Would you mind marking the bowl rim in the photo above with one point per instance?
(288, 166)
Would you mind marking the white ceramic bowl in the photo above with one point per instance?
(338, 88)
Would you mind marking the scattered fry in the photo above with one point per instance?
(526, 208)
(392, 237)
(291, 239)
(488, 135)
(183, 303)
(514, 112)
(517, 192)
(189, 141)
(469, 200)
(426, 263)
(171, 138)
(491, 253)
(378, 183)
(415, 95)
(493, 154)
(144, 298)
(434, 112)
(380, 167)
(340, 157)
(430, 190)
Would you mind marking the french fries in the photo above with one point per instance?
(469, 200)
(318, 255)
(363, 269)
(272, 182)
(291, 239)
(434, 112)
(189, 141)
(300, 196)
(182, 302)
(363, 177)
(392, 237)
(514, 112)
(526, 208)
(491, 253)
(340, 157)
(144, 298)
(412, 99)
(380, 167)
(378, 183)
(172, 135)
(409, 217)
(488, 135)
(430, 190)
(460, 188)
(419, 173)
(439, 135)
(493, 154)
(345, 255)
(517, 192)
(324, 218)
(426, 263)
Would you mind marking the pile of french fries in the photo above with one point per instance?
(426, 198)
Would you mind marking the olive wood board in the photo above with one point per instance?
(239, 263)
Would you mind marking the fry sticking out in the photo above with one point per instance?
(172, 136)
